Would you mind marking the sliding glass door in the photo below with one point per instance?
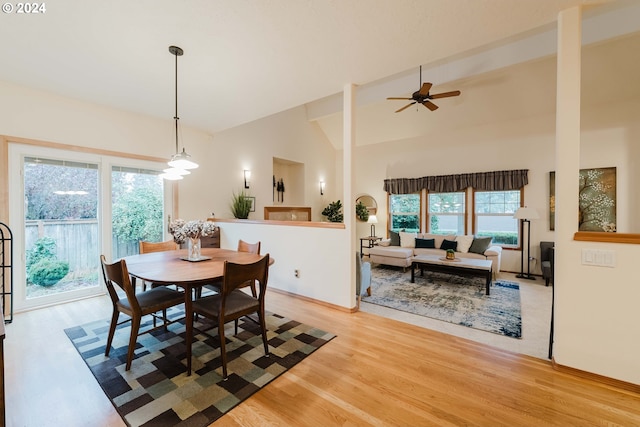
(72, 207)
(60, 228)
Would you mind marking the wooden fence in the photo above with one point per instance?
(77, 241)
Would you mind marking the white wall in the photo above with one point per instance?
(321, 256)
(287, 135)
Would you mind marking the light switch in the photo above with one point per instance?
(599, 257)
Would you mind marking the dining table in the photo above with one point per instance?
(173, 268)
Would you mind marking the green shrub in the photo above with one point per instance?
(47, 272)
(44, 248)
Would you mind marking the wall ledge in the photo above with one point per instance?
(313, 224)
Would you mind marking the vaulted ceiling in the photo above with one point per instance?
(245, 60)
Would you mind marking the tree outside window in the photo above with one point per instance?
(404, 212)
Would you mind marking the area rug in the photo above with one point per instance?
(156, 390)
(451, 298)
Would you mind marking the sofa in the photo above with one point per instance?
(401, 247)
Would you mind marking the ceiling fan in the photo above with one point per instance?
(422, 96)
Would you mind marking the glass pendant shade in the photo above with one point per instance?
(171, 176)
(181, 161)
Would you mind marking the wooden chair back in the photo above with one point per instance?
(148, 247)
(252, 248)
(117, 274)
(237, 275)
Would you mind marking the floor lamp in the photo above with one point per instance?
(525, 215)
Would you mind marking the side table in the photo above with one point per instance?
(371, 241)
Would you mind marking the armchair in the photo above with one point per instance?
(546, 261)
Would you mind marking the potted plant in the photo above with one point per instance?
(240, 205)
(451, 254)
(362, 213)
(332, 212)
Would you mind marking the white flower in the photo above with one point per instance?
(195, 229)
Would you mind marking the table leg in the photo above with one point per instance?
(488, 281)
(188, 315)
(413, 272)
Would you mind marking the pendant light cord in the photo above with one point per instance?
(176, 118)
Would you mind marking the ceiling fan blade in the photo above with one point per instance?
(406, 106)
(408, 99)
(424, 90)
(445, 94)
(430, 105)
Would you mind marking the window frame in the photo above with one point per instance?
(390, 214)
(464, 214)
(518, 245)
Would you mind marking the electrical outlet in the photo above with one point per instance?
(296, 273)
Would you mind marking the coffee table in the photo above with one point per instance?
(462, 266)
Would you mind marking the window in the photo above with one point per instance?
(404, 212)
(447, 213)
(494, 216)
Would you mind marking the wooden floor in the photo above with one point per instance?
(377, 372)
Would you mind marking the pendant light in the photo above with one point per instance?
(179, 162)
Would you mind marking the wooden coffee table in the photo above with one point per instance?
(462, 266)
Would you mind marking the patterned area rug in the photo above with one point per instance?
(156, 390)
(451, 298)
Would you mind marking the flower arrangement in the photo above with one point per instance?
(195, 229)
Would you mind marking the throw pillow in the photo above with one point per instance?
(480, 244)
(395, 238)
(425, 243)
(437, 237)
(407, 240)
(384, 242)
(464, 243)
(449, 244)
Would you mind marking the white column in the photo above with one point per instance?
(348, 144)
(567, 168)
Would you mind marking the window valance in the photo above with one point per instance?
(485, 181)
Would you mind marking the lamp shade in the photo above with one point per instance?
(372, 219)
(526, 213)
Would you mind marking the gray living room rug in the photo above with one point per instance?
(451, 298)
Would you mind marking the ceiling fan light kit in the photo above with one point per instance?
(422, 96)
(179, 162)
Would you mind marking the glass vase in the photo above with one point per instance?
(193, 248)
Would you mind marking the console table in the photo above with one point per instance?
(371, 241)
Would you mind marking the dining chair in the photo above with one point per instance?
(232, 303)
(252, 248)
(116, 275)
(148, 247)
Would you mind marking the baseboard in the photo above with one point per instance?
(315, 301)
(623, 385)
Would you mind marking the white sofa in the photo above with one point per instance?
(402, 255)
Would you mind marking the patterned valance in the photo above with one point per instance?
(485, 181)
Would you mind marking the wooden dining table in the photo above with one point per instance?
(171, 268)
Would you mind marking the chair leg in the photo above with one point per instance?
(369, 291)
(133, 338)
(223, 350)
(263, 327)
(546, 281)
(112, 330)
(236, 325)
(164, 319)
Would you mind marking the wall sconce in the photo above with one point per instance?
(322, 188)
(247, 178)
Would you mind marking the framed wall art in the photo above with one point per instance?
(596, 200)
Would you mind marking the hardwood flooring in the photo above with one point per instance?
(376, 372)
